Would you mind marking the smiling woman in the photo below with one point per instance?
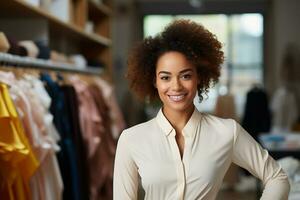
(176, 82)
(199, 46)
(182, 153)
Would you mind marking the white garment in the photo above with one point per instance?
(284, 109)
(211, 145)
(41, 95)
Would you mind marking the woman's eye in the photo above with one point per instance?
(187, 76)
(165, 78)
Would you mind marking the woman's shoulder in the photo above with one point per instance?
(213, 118)
(224, 128)
(211, 121)
(139, 130)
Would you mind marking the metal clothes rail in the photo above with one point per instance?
(27, 62)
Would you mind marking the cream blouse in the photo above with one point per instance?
(149, 150)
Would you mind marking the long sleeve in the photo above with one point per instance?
(248, 154)
(125, 183)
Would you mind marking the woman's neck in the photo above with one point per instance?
(178, 119)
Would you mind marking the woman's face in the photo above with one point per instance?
(176, 81)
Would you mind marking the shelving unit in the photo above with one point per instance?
(70, 36)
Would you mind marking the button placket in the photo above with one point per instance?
(186, 153)
(180, 165)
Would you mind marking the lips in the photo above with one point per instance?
(177, 98)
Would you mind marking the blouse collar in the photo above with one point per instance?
(189, 129)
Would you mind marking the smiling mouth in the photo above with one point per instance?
(177, 98)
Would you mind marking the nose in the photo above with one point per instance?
(176, 85)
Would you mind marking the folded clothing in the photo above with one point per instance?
(4, 45)
(31, 48)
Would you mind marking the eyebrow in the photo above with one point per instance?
(181, 72)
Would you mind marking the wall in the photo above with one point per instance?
(126, 31)
(282, 28)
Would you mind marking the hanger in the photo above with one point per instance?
(257, 86)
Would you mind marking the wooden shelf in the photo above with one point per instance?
(19, 8)
(100, 9)
(67, 37)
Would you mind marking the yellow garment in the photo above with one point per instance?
(17, 161)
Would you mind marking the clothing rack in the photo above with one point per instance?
(27, 62)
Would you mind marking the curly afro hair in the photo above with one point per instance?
(194, 41)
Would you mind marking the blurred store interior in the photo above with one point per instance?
(259, 85)
(262, 51)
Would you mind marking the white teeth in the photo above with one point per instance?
(176, 97)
